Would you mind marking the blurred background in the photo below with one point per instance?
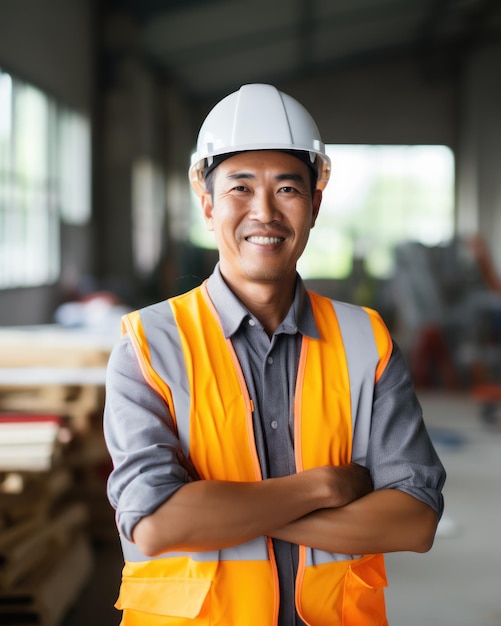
(100, 106)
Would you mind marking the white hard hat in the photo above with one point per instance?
(258, 117)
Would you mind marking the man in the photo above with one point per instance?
(268, 447)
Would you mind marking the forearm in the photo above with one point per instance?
(209, 514)
(382, 521)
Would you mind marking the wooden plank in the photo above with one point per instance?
(79, 402)
(53, 346)
(30, 442)
(25, 355)
(30, 376)
(21, 555)
(44, 597)
(31, 496)
(54, 398)
(54, 369)
(17, 532)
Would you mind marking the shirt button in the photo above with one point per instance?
(274, 424)
(270, 360)
(252, 322)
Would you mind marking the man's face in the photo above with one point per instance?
(261, 214)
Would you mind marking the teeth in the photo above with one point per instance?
(265, 240)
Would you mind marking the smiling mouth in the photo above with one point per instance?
(265, 241)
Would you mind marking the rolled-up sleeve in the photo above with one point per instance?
(141, 440)
(401, 454)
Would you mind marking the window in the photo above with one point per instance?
(148, 208)
(377, 197)
(44, 177)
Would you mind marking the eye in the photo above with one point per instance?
(287, 189)
(240, 188)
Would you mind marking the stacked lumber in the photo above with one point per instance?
(38, 445)
(45, 553)
(53, 470)
(53, 370)
(52, 346)
(80, 401)
(31, 441)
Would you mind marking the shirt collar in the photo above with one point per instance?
(232, 312)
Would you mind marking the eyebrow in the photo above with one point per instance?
(286, 176)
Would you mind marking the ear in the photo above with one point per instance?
(206, 202)
(316, 202)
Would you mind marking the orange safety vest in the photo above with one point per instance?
(212, 412)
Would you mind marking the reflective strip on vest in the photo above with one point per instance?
(254, 550)
(362, 356)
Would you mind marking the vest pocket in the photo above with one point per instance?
(176, 598)
(364, 602)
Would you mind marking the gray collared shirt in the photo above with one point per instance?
(147, 472)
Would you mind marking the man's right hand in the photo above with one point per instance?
(344, 483)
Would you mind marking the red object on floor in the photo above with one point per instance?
(488, 392)
(431, 362)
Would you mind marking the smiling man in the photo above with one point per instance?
(267, 444)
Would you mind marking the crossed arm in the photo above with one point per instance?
(328, 508)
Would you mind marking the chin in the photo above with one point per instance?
(267, 274)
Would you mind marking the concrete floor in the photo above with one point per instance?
(457, 583)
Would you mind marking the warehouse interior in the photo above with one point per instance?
(100, 105)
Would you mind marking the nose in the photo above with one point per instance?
(264, 208)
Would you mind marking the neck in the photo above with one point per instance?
(267, 301)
